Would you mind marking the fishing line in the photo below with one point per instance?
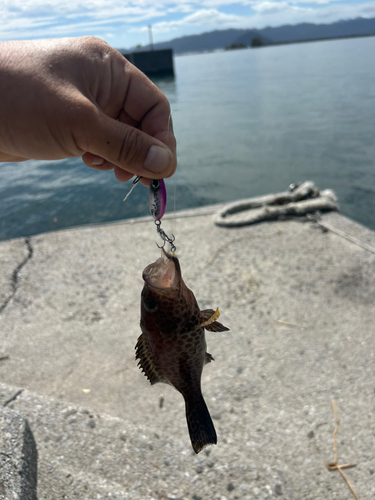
(174, 206)
(170, 126)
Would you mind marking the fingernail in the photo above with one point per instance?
(157, 159)
(97, 161)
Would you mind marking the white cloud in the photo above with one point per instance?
(117, 20)
(35, 23)
(289, 13)
(180, 9)
(209, 18)
(267, 7)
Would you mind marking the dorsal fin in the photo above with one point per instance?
(146, 361)
(215, 326)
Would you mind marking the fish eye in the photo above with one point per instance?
(150, 304)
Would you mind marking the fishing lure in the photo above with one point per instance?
(157, 198)
(157, 202)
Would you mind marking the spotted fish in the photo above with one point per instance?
(172, 347)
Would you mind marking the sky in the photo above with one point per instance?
(124, 23)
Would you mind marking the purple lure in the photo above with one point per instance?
(157, 198)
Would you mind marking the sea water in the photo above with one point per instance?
(247, 122)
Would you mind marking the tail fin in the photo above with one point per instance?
(201, 429)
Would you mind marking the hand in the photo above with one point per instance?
(64, 98)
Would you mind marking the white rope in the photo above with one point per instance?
(303, 200)
(298, 201)
(346, 236)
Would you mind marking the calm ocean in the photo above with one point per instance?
(247, 122)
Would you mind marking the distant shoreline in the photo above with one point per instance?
(177, 54)
(318, 40)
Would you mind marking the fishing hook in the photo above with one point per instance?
(163, 235)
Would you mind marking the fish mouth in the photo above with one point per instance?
(164, 273)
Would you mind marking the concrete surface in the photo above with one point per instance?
(13, 255)
(300, 306)
(18, 457)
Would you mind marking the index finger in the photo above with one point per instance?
(147, 105)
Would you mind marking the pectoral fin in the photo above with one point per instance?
(146, 361)
(209, 358)
(209, 317)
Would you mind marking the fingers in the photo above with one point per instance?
(6, 157)
(99, 163)
(96, 162)
(122, 175)
(141, 140)
(147, 105)
(126, 147)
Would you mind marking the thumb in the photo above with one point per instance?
(129, 148)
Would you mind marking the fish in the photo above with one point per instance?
(172, 348)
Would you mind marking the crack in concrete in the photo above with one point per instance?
(13, 398)
(15, 274)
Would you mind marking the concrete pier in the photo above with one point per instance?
(299, 303)
(152, 62)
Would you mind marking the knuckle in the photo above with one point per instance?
(131, 147)
(96, 48)
(94, 41)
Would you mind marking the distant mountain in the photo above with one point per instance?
(212, 40)
(308, 31)
(220, 39)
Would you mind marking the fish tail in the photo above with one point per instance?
(201, 428)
